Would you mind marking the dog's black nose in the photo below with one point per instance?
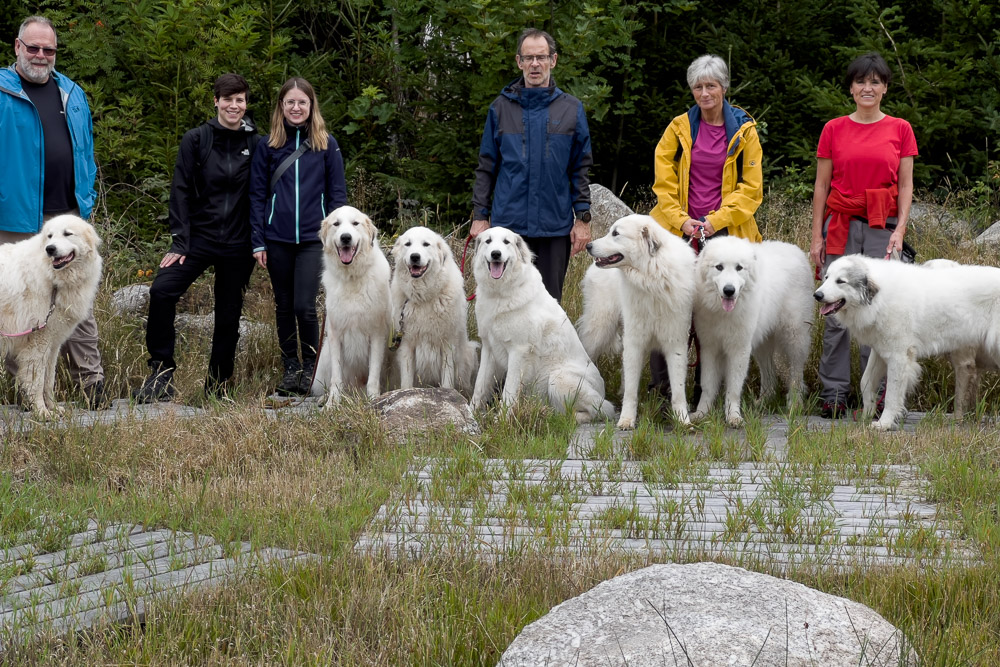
(345, 239)
(589, 246)
(495, 255)
(729, 290)
(414, 258)
(818, 295)
(50, 250)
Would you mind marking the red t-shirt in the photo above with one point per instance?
(865, 156)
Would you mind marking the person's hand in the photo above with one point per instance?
(171, 258)
(817, 253)
(895, 242)
(709, 229)
(579, 236)
(690, 227)
(478, 227)
(261, 257)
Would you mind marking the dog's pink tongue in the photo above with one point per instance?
(826, 308)
(346, 254)
(728, 304)
(496, 269)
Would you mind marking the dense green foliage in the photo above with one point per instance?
(405, 84)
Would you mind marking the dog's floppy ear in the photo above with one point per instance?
(523, 251)
(868, 289)
(324, 228)
(651, 244)
(90, 236)
(443, 250)
(372, 229)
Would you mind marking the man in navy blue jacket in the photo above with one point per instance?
(533, 164)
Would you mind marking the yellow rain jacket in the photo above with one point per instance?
(742, 177)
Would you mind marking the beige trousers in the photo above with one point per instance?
(80, 349)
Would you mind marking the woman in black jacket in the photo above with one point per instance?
(296, 180)
(209, 226)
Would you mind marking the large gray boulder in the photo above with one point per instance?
(605, 209)
(926, 218)
(707, 614)
(405, 413)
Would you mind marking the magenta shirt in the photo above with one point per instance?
(708, 155)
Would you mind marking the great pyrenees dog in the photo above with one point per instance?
(528, 341)
(430, 314)
(48, 287)
(656, 290)
(966, 362)
(358, 313)
(907, 312)
(751, 299)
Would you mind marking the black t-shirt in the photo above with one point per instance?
(59, 188)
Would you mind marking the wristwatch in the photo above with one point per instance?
(583, 216)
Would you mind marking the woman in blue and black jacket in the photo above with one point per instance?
(285, 216)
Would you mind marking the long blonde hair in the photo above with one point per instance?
(316, 125)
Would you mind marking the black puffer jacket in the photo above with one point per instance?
(209, 202)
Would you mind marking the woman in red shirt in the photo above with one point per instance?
(861, 202)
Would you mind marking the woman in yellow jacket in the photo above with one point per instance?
(707, 174)
(708, 162)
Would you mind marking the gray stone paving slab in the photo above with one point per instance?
(111, 575)
(764, 511)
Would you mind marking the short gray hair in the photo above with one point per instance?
(535, 32)
(36, 19)
(708, 67)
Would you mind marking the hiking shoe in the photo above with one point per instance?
(833, 410)
(290, 380)
(93, 396)
(159, 386)
(306, 378)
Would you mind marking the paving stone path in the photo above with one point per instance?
(110, 574)
(765, 512)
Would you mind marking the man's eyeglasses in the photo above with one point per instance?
(535, 59)
(49, 52)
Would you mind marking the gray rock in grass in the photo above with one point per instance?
(131, 300)
(991, 236)
(707, 614)
(605, 209)
(408, 412)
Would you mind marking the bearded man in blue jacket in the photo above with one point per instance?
(48, 168)
(533, 163)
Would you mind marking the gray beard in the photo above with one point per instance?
(34, 73)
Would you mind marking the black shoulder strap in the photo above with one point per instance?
(679, 153)
(204, 143)
(288, 162)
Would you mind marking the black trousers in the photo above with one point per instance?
(232, 276)
(551, 260)
(295, 271)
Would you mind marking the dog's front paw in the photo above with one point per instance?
(884, 424)
(626, 423)
(698, 415)
(734, 419)
(332, 399)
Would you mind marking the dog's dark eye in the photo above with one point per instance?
(739, 267)
(426, 244)
(49, 236)
(408, 244)
(718, 267)
(840, 281)
(67, 233)
(614, 232)
(489, 240)
(355, 223)
(337, 224)
(506, 241)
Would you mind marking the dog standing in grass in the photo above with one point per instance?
(358, 316)
(751, 299)
(653, 298)
(48, 287)
(430, 314)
